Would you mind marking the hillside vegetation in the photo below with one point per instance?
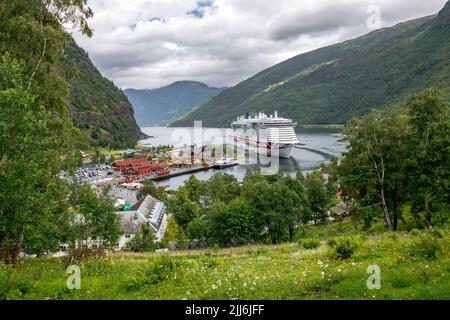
(338, 82)
(413, 266)
(164, 105)
(97, 106)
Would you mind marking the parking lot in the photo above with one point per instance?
(95, 174)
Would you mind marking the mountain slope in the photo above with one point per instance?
(166, 104)
(335, 83)
(97, 105)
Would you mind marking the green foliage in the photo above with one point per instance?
(222, 187)
(196, 229)
(344, 247)
(338, 82)
(38, 209)
(151, 189)
(428, 164)
(144, 241)
(34, 217)
(94, 217)
(98, 107)
(261, 272)
(310, 244)
(183, 208)
(12, 285)
(226, 213)
(235, 225)
(157, 270)
(318, 196)
(426, 247)
(399, 164)
(172, 230)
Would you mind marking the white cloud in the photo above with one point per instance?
(150, 43)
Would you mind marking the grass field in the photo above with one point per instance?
(413, 265)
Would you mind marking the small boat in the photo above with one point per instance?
(225, 163)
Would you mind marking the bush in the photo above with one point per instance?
(344, 248)
(331, 242)
(310, 244)
(208, 262)
(144, 241)
(12, 284)
(426, 247)
(162, 267)
(159, 269)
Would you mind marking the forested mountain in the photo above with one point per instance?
(335, 83)
(163, 105)
(97, 105)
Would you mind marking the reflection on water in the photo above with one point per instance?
(317, 147)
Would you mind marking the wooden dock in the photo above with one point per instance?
(181, 173)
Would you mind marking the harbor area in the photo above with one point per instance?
(126, 176)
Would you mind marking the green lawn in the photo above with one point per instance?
(408, 271)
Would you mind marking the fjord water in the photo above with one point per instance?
(317, 147)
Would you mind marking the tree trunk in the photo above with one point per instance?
(386, 211)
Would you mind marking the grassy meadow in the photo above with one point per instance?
(413, 265)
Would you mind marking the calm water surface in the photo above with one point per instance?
(318, 146)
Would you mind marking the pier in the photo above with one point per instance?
(181, 172)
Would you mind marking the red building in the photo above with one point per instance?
(141, 169)
(138, 167)
(121, 165)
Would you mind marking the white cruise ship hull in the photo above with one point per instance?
(270, 135)
(281, 150)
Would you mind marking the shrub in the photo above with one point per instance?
(310, 244)
(208, 262)
(331, 242)
(159, 269)
(144, 241)
(12, 284)
(437, 233)
(344, 248)
(426, 247)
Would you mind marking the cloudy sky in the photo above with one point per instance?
(152, 43)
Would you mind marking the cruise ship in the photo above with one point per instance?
(269, 135)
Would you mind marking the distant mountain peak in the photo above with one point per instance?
(165, 104)
(446, 10)
(188, 82)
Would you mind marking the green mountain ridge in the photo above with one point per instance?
(335, 83)
(97, 106)
(166, 104)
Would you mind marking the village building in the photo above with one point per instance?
(139, 167)
(341, 210)
(149, 210)
(121, 165)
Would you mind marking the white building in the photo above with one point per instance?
(149, 210)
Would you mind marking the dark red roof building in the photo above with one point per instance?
(139, 166)
(123, 164)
